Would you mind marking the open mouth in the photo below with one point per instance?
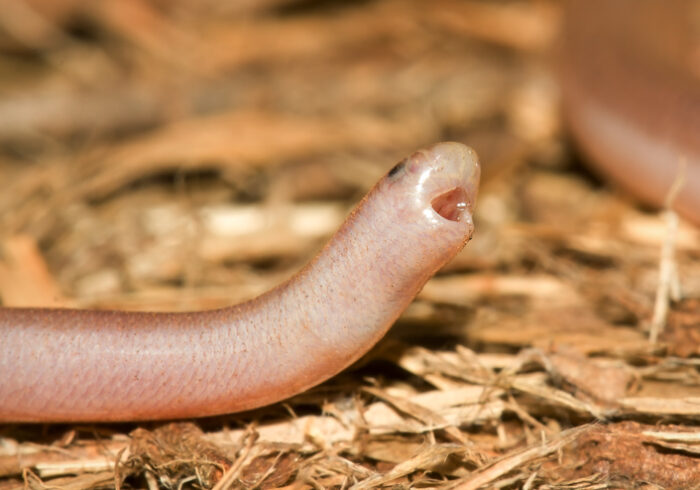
(451, 204)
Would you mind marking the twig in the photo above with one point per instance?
(230, 476)
(669, 285)
(512, 461)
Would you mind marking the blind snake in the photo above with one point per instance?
(63, 365)
(631, 86)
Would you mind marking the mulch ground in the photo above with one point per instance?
(189, 155)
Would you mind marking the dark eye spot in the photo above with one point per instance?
(397, 168)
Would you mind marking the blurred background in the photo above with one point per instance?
(148, 145)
